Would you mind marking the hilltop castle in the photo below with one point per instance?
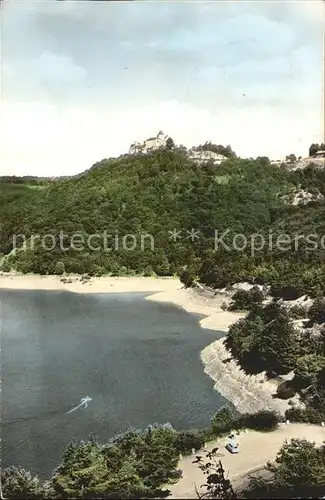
(150, 144)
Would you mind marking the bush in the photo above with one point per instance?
(297, 312)
(185, 441)
(5, 266)
(285, 292)
(316, 313)
(246, 299)
(59, 268)
(223, 421)
(264, 420)
(187, 278)
(305, 415)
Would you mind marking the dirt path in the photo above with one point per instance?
(255, 449)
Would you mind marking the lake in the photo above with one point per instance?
(138, 360)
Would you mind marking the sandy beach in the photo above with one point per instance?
(247, 393)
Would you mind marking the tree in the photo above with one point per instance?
(308, 368)
(59, 268)
(222, 421)
(216, 486)
(316, 313)
(187, 278)
(263, 160)
(83, 472)
(299, 468)
(263, 420)
(313, 149)
(298, 472)
(217, 148)
(17, 482)
(246, 299)
(278, 346)
(170, 143)
(291, 158)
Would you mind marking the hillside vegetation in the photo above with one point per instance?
(160, 192)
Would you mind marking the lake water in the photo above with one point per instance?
(138, 360)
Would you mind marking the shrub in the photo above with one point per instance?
(5, 266)
(285, 292)
(187, 278)
(223, 421)
(59, 268)
(246, 299)
(185, 441)
(305, 415)
(297, 312)
(316, 313)
(264, 420)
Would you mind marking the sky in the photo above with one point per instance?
(81, 81)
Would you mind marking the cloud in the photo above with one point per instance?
(82, 80)
(67, 142)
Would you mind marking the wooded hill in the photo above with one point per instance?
(163, 191)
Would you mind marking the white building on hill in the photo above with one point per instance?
(150, 144)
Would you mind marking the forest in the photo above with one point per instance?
(163, 192)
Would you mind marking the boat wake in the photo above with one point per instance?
(83, 403)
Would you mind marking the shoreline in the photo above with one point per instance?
(248, 393)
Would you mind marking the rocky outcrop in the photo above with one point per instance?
(248, 393)
(201, 157)
(151, 144)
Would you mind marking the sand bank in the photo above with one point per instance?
(95, 285)
(159, 289)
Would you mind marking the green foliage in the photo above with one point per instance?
(223, 421)
(263, 160)
(316, 313)
(297, 312)
(18, 483)
(298, 472)
(316, 147)
(299, 467)
(226, 420)
(186, 441)
(246, 299)
(170, 143)
(155, 193)
(263, 420)
(186, 277)
(291, 158)
(219, 149)
(265, 340)
(308, 369)
(217, 486)
(305, 415)
(132, 465)
(59, 268)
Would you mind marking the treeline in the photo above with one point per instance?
(164, 191)
(314, 148)
(27, 179)
(142, 463)
(134, 464)
(226, 151)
